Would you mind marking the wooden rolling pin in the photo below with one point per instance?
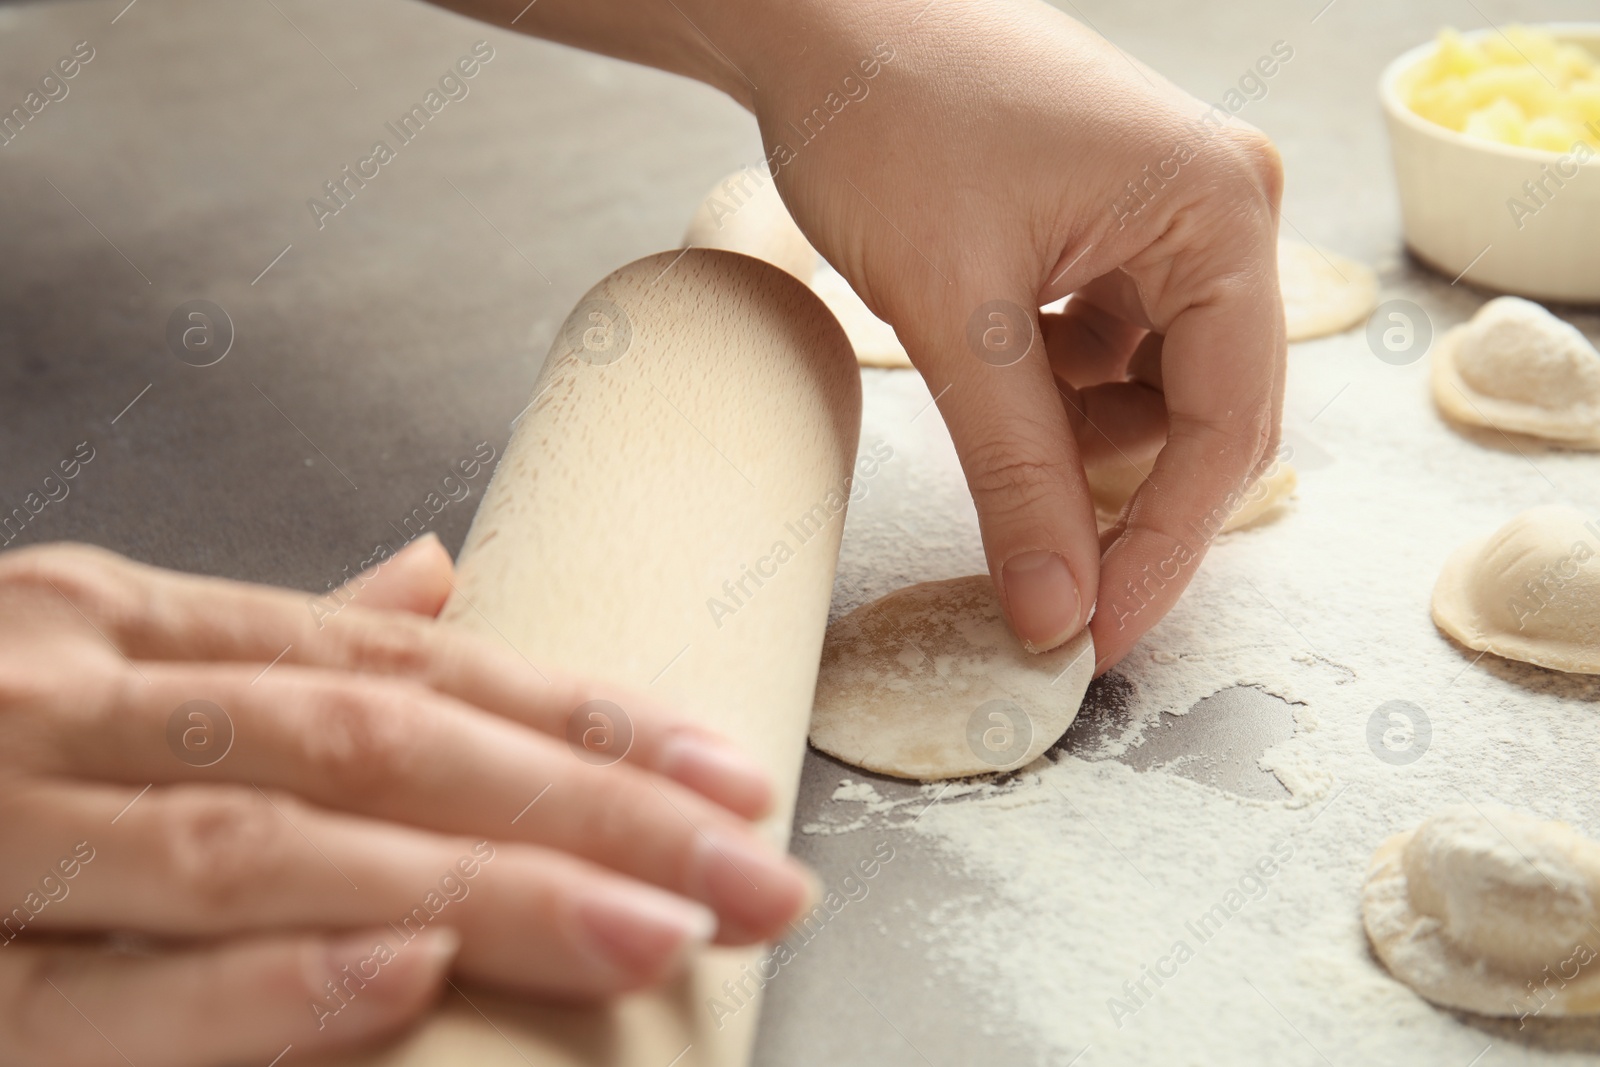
(697, 409)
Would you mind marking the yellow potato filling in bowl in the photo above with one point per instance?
(1495, 137)
(1524, 87)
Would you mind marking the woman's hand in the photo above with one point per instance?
(963, 164)
(307, 816)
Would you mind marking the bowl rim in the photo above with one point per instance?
(1587, 33)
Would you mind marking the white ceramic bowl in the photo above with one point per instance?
(1456, 193)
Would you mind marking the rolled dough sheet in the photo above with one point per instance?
(929, 682)
(1323, 292)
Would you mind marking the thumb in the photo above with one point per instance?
(984, 358)
(416, 579)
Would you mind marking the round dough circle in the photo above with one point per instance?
(1323, 293)
(1529, 592)
(1478, 907)
(929, 682)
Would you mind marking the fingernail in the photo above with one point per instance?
(757, 888)
(717, 769)
(416, 542)
(642, 931)
(1042, 598)
(439, 946)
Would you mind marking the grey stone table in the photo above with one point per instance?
(370, 350)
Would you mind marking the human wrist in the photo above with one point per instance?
(760, 51)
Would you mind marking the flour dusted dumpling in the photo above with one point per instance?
(1491, 911)
(1517, 367)
(1113, 479)
(1530, 592)
(1323, 292)
(744, 213)
(874, 340)
(929, 682)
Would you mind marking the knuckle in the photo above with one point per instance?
(1258, 156)
(92, 580)
(625, 816)
(32, 1011)
(394, 646)
(368, 738)
(223, 848)
(1008, 478)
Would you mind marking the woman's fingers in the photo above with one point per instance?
(1221, 367)
(246, 1001)
(398, 751)
(987, 364)
(152, 614)
(215, 860)
(417, 580)
(1087, 343)
(1118, 423)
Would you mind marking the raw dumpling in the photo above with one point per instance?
(1531, 592)
(929, 682)
(1113, 481)
(875, 342)
(1489, 911)
(1323, 293)
(1516, 367)
(744, 213)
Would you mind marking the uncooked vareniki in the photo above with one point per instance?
(744, 213)
(1516, 367)
(1529, 592)
(929, 682)
(1489, 910)
(1114, 479)
(874, 340)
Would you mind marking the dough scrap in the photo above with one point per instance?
(1113, 481)
(1529, 592)
(1323, 293)
(874, 340)
(929, 682)
(1517, 367)
(1491, 911)
(744, 213)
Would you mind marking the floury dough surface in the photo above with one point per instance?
(1516, 368)
(1491, 911)
(1052, 890)
(930, 683)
